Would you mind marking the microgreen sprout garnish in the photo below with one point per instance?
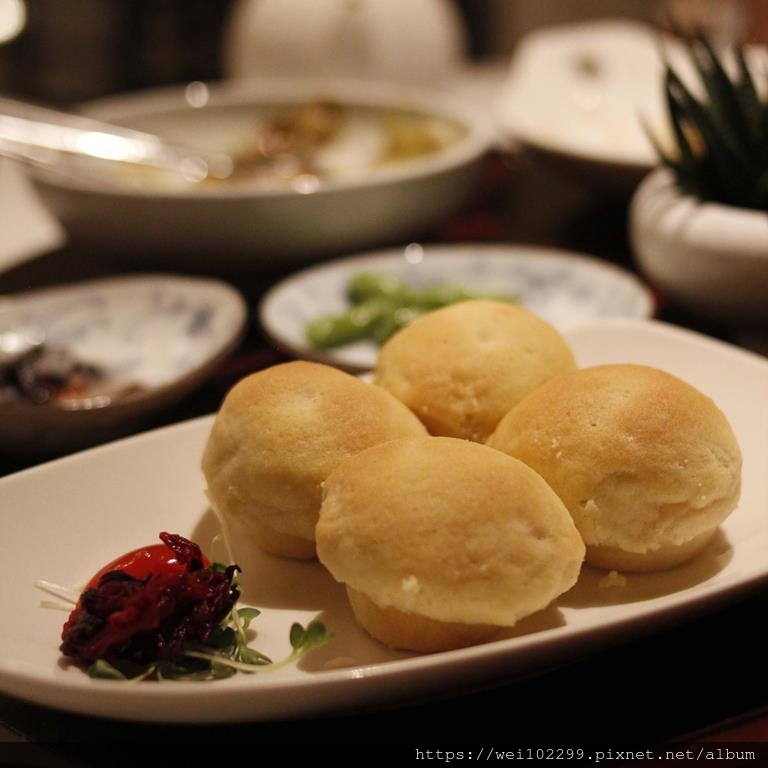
(246, 659)
(165, 613)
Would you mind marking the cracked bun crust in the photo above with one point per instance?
(442, 541)
(279, 433)
(647, 465)
(461, 368)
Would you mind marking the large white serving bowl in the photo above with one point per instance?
(240, 223)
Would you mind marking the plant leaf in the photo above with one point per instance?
(316, 635)
(184, 668)
(687, 165)
(224, 640)
(103, 670)
(313, 636)
(247, 615)
(725, 106)
(251, 656)
(758, 199)
(726, 170)
(747, 95)
(220, 671)
(296, 636)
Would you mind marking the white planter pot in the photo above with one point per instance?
(709, 257)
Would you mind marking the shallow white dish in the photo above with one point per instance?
(576, 94)
(565, 288)
(62, 521)
(163, 333)
(247, 224)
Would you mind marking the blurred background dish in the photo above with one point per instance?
(345, 38)
(565, 288)
(109, 352)
(387, 162)
(577, 96)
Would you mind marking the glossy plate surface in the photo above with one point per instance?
(62, 521)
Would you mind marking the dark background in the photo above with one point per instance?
(74, 50)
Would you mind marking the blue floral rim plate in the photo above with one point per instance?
(153, 338)
(566, 289)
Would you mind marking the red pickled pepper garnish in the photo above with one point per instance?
(154, 559)
(124, 618)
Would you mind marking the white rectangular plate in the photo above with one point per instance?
(62, 521)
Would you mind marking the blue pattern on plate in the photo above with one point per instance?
(564, 288)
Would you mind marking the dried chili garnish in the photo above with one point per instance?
(125, 619)
(164, 612)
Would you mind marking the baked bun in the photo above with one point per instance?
(647, 465)
(278, 435)
(461, 368)
(442, 541)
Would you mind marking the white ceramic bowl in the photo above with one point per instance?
(575, 95)
(160, 335)
(711, 258)
(394, 40)
(240, 223)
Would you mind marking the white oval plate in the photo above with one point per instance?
(64, 520)
(564, 288)
(161, 332)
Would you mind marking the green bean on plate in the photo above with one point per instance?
(381, 303)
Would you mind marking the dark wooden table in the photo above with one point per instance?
(702, 679)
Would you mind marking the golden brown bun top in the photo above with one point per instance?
(461, 368)
(281, 431)
(641, 459)
(447, 529)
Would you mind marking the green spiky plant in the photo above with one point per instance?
(721, 140)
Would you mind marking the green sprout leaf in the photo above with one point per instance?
(247, 615)
(251, 656)
(103, 670)
(224, 639)
(313, 636)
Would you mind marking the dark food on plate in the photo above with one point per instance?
(646, 464)
(461, 368)
(54, 376)
(441, 542)
(382, 304)
(293, 131)
(47, 374)
(278, 435)
(166, 612)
